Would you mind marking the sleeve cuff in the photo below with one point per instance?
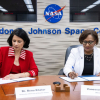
(32, 73)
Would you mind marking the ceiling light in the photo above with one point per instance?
(4, 10)
(31, 10)
(29, 6)
(91, 6)
(1, 7)
(84, 10)
(97, 2)
(27, 1)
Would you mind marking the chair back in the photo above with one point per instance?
(68, 51)
(66, 56)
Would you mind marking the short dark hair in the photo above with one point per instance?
(85, 33)
(20, 33)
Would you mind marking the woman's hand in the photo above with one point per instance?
(15, 76)
(72, 75)
(98, 74)
(11, 76)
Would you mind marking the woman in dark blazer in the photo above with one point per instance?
(15, 61)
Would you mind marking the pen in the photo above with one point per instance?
(75, 74)
(73, 69)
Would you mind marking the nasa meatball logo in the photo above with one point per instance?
(53, 13)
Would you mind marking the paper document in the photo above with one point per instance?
(15, 80)
(5, 81)
(82, 78)
(77, 79)
(24, 79)
(92, 78)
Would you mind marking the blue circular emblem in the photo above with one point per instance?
(53, 13)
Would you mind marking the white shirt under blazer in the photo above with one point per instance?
(75, 61)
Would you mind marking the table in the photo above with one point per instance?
(7, 90)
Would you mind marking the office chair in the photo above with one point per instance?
(66, 57)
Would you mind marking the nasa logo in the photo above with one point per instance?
(53, 13)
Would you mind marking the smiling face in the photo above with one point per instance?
(88, 44)
(17, 43)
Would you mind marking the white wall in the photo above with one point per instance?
(49, 50)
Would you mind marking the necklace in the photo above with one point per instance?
(88, 57)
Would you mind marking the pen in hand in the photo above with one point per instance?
(73, 75)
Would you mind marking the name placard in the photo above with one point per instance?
(90, 90)
(35, 91)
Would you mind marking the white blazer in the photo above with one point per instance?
(75, 61)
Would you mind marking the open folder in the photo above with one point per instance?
(15, 80)
(82, 78)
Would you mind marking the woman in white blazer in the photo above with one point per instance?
(85, 59)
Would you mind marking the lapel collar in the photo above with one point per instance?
(23, 54)
(96, 53)
(81, 52)
(81, 59)
(11, 53)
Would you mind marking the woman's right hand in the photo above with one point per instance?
(72, 75)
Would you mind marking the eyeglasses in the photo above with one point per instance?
(89, 42)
